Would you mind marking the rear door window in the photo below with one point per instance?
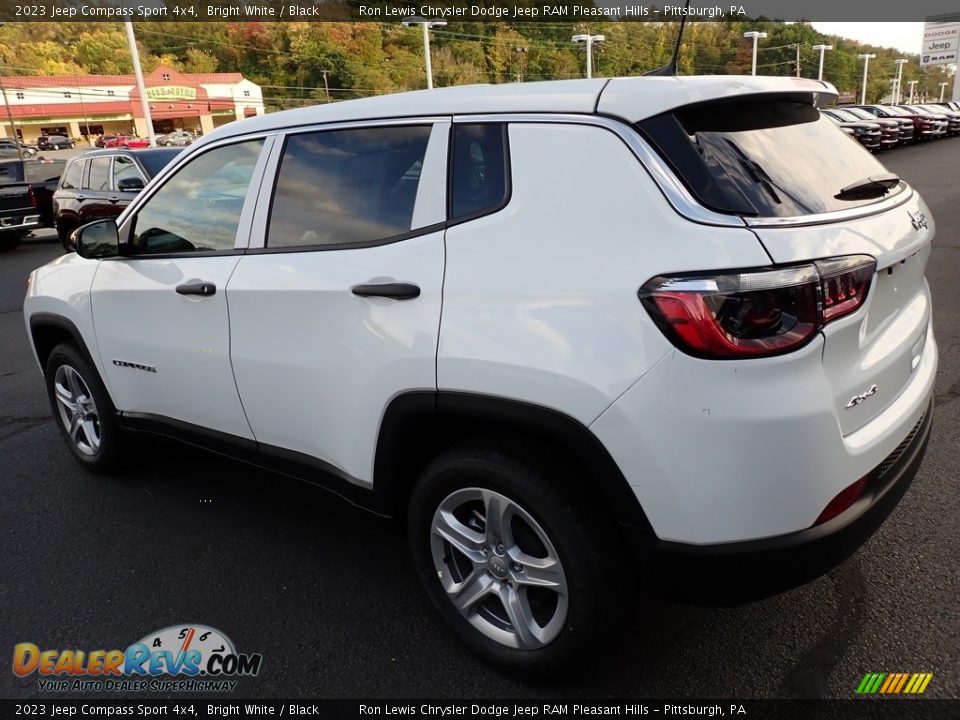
(762, 157)
(73, 177)
(341, 188)
(99, 178)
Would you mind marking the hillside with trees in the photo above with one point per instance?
(306, 63)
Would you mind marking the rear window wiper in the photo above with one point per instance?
(870, 187)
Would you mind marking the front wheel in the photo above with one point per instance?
(82, 408)
(517, 568)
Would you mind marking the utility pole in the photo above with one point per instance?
(427, 25)
(912, 84)
(899, 79)
(797, 61)
(866, 57)
(822, 49)
(326, 85)
(943, 87)
(588, 40)
(756, 35)
(141, 86)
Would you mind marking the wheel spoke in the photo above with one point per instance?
(466, 594)
(90, 431)
(76, 423)
(467, 541)
(497, 510)
(538, 572)
(72, 383)
(521, 618)
(65, 397)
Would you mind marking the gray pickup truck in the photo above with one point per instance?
(26, 197)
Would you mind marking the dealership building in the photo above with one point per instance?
(91, 105)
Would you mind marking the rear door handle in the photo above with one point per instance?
(396, 291)
(204, 289)
(113, 198)
(81, 198)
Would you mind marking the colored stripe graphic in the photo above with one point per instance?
(894, 683)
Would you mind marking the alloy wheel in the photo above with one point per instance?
(78, 410)
(499, 568)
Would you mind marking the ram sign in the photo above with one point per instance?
(941, 41)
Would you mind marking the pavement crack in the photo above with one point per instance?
(808, 678)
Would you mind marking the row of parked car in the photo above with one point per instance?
(178, 138)
(879, 127)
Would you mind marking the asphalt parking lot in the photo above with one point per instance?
(329, 598)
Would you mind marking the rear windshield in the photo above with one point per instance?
(156, 160)
(49, 170)
(762, 156)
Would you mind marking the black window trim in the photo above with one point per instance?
(428, 122)
(507, 174)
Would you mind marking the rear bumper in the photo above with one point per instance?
(20, 222)
(733, 573)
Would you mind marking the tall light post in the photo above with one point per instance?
(899, 79)
(427, 25)
(6, 104)
(588, 40)
(756, 35)
(141, 86)
(522, 52)
(822, 49)
(912, 84)
(943, 86)
(866, 57)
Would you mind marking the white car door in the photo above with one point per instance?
(335, 307)
(160, 310)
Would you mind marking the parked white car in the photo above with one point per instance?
(578, 335)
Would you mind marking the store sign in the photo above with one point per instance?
(941, 42)
(171, 92)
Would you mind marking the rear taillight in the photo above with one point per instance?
(33, 197)
(756, 313)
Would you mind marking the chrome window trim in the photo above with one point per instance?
(674, 191)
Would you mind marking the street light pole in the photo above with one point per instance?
(899, 79)
(912, 83)
(943, 86)
(141, 86)
(588, 40)
(522, 51)
(427, 25)
(756, 35)
(866, 57)
(822, 49)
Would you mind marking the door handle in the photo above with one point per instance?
(113, 198)
(395, 291)
(81, 198)
(202, 288)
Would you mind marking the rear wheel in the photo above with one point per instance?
(82, 408)
(63, 232)
(518, 569)
(10, 240)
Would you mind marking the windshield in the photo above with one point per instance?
(763, 158)
(860, 114)
(846, 115)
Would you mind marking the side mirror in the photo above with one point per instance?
(97, 240)
(131, 184)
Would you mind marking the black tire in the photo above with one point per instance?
(63, 232)
(578, 536)
(100, 456)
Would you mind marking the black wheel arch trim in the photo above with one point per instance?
(408, 410)
(41, 320)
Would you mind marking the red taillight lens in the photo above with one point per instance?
(757, 313)
(33, 197)
(844, 499)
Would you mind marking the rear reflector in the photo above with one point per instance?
(844, 499)
(756, 313)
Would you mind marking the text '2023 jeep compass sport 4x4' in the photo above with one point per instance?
(578, 335)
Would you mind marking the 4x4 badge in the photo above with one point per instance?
(918, 219)
(857, 399)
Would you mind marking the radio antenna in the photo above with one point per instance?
(671, 67)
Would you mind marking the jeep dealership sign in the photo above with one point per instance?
(940, 43)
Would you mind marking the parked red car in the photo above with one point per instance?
(135, 143)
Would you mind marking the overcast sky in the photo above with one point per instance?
(905, 36)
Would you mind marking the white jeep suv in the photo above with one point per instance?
(579, 336)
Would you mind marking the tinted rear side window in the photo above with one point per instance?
(347, 187)
(73, 177)
(762, 157)
(155, 160)
(479, 170)
(99, 174)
